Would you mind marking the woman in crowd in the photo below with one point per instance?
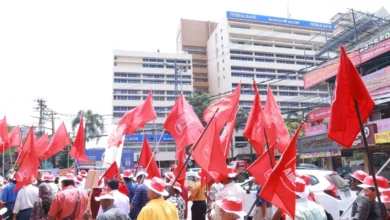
(42, 205)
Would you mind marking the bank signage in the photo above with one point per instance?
(319, 114)
(277, 20)
(382, 137)
(318, 143)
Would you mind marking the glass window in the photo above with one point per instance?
(265, 60)
(242, 75)
(284, 56)
(242, 69)
(153, 82)
(285, 61)
(241, 58)
(264, 54)
(171, 98)
(157, 98)
(282, 46)
(265, 70)
(240, 52)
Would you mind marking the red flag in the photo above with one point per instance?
(227, 107)
(343, 122)
(58, 142)
(280, 187)
(14, 137)
(181, 159)
(113, 172)
(115, 138)
(77, 150)
(28, 168)
(3, 130)
(41, 144)
(205, 177)
(261, 168)
(277, 129)
(183, 124)
(146, 158)
(255, 125)
(138, 116)
(227, 135)
(208, 154)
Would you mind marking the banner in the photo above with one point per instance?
(382, 137)
(319, 114)
(330, 68)
(112, 154)
(316, 130)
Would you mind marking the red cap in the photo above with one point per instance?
(305, 178)
(169, 175)
(128, 174)
(300, 185)
(48, 178)
(231, 205)
(157, 185)
(79, 178)
(359, 175)
(176, 185)
(105, 195)
(369, 182)
(231, 172)
(83, 173)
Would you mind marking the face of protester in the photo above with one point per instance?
(370, 192)
(228, 216)
(153, 195)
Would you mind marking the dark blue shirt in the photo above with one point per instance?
(131, 188)
(139, 200)
(261, 200)
(9, 196)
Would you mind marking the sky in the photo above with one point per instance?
(62, 51)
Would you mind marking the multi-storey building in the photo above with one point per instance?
(271, 50)
(134, 75)
(192, 36)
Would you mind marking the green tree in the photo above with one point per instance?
(199, 103)
(293, 121)
(63, 159)
(94, 125)
(242, 117)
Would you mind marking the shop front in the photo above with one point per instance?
(318, 150)
(381, 153)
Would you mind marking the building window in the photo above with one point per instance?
(200, 80)
(265, 76)
(247, 92)
(242, 69)
(152, 66)
(241, 27)
(285, 47)
(127, 98)
(264, 54)
(284, 56)
(171, 98)
(153, 82)
(265, 70)
(155, 76)
(265, 60)
(199, 66)
(241, 58)
(263, 45)
(241, 52)
(157, 98)
(242, 75)
(285, 61)
(152, 60)
(217, 67)
(118, 115)
(219, 82)
(286, 71)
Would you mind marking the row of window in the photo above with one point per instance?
(266, 70)
(261, 76)
(282, 104)
(145, 92)
(200, 80)
(271, 45)
(129, 81)
(290, 88)
(134, 98)
(277, 55)
(194, 48)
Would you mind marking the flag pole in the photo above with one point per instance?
(3, 160)
(370, 166)
(193, 148)
(272, 166)
(361, 192)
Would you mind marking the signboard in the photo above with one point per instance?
(277, 20)
(382, 125)
(319, 114)
(330, 68)
(332, 153)
(369, 131)
(378, 82)
(316, 130)
(127, 158)
(138, 138)
(318, 143)
(382, 137)
(384, 36)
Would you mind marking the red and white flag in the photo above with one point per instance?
(146, 159)
(113, 172)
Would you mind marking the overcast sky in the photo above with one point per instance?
(62, 50)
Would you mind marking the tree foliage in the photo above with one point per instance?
(94, 125)
(242, 117)
(199, 103)
(293, 121)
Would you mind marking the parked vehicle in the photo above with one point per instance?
(239, 167)
(331, 191)
(307, 166)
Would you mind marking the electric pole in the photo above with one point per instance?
(41, 108)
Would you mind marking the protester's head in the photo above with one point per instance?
(68, 180)
(44, 190)
(113, 184)
(57, 180)
(369, 187)
(301, 191)
(169, 176)
(231, 176)
(175, 189)
(156, 188)
(173, 167)
(127, 176)
(358, 177)
(83, 173)
(231, 208)
(141, 175)
(106, 199)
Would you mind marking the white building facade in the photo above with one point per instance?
(270, 50)
(134, 75)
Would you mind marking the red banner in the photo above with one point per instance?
(329, 69)
(319, 114)
(316, 130)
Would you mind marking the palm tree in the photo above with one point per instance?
(293, 121)
(94, 125)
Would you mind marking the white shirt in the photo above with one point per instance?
(121, 201)
(26, 198)
(214, 189)
(53, 188)
(306, 210)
